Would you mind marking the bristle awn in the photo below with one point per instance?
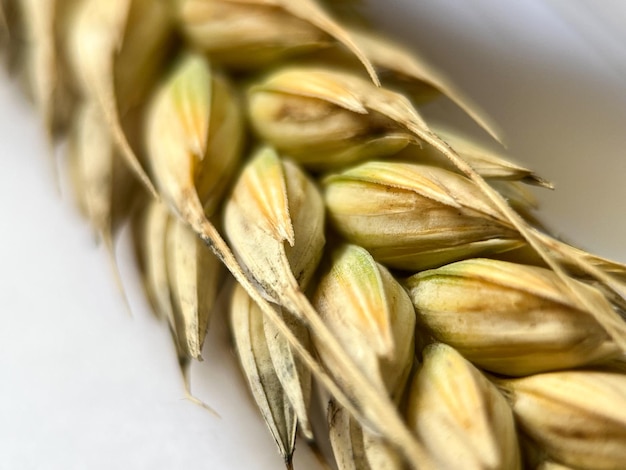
(492, 165)
(100, 180)
(609, 272)
(409, 69)
(312, 12)
(152, 233)
(606, 316)
(98, 39)
(190, 397)
(184, 366)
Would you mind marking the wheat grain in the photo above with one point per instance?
(508, 318)
(576, 417)
(372, 317)
(460, 415)
(415, 217)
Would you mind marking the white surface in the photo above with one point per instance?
(85, 386)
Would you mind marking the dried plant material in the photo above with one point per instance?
(548, 465)
(489, 163)
(273, 207)
(346, 438)
(259, 362)
(349, 91)
(194, 276)
(247, 35)
(508, 178)
(382, 453)
(116, 49)
(194, 137)
(102, 182)
(149, 231)
(509, 318)
(294, 377)
(370, 314)
(372, 317)
(577, 418)
(610, 273)
(39, 22)
(407, 71)
(519, 196)
(275, 222)
(415, 216)
(181, 276)
(359, 96)
(177, 188)
(353, 93)
(354, 448)
(275, 218)
(11, 30)
(324, 130)
(460, 416)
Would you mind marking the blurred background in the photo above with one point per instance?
(83, 384)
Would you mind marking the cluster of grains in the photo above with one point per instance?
(390, 263)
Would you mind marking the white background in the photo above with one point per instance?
(83, 385)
